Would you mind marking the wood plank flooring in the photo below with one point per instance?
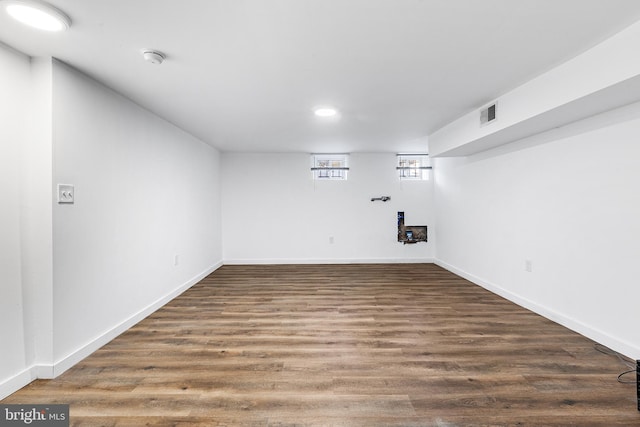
(342, 345)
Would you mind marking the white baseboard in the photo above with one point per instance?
(289, 261)
(70, 360)
(16, 382)
(584, 329)
(23, 378)
(44, 371)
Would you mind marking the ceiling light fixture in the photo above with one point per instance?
(325, 112)
(37, 14)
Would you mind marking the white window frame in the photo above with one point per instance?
(413, 167)
(330, 167)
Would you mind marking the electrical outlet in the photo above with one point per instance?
(176, 260)
(528, 265)
(66, 193)
(331, 240)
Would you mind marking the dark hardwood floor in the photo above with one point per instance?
(342, 345)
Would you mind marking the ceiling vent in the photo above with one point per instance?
(488, 115)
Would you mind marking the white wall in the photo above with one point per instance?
(73, 277)
(145, 192)
(568, 201)
(14, 102)
(36, 219)
(274, 212)
(604, 77)
(148, 194)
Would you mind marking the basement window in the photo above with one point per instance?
(413, 167)
(329, 167)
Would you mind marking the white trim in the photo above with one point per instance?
(44, 371)
(23, 378)
(73, 358)
(276, 261)
(575, 325)
(16, 382)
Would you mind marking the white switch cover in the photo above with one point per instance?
(65, 193)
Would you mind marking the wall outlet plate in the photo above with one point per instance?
(66, 193)
(528, 266)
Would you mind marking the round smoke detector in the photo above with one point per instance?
(153, 56)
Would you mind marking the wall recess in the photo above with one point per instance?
(410, 233)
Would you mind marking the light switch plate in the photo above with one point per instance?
(65, 193)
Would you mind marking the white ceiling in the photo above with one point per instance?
(244, 75)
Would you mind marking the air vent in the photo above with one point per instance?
(488, 114)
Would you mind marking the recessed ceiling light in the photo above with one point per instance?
(325, 112)
(37, 14)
